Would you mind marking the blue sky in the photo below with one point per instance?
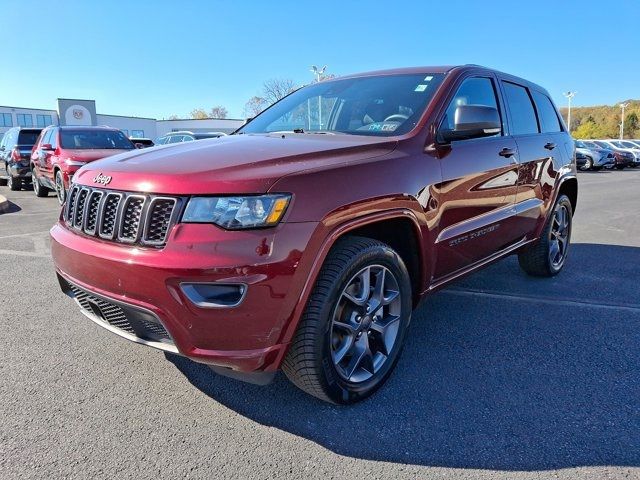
(155, 59)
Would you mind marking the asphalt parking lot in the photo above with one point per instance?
(503, 376)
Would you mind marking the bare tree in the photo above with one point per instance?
(173, 117)
(277, 88)
(254, 106)
(198, 114)
(219, 112)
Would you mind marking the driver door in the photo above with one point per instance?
(478, 192)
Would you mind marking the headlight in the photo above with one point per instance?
(235, 213)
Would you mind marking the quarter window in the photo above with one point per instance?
(473, 91)
(547, 113)
(24, 119)
(523, 115)
(137, 133)
(6, 120)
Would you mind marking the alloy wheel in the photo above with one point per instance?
(365, 323)
(60, 191)
(559, 241)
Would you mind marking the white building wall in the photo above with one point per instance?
(226, 125)
(131, 126)
(13, 112)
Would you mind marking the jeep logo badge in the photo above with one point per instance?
(102, 179)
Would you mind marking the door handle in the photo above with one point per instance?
(550, 146)
(507, 152)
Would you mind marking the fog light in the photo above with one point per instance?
(215, 295)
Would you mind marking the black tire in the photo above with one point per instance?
(14, 183)
(310, 362)
(620, 167)
(588, 164)
(38, 189)
(61, 193)
(3, 181)
(536, 259)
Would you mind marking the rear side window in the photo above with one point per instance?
(547, 113)
(473, 91)
(523, 115)
(175, 139)
(28, 137)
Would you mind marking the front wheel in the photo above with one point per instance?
(351, 333)
(588, 164)
(61, 193)
(547, 256)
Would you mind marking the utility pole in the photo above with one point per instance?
(622, 106)
(569, 96)
(318, 72)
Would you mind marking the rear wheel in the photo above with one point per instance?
(547, 256)
(4, 181)
(351, 333)
(13, 183)
(38, 189)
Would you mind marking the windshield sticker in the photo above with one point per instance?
(421, 88)
(385, 127)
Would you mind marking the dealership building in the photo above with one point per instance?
(83, 112)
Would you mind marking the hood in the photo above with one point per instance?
(228, 165)
(89, 155)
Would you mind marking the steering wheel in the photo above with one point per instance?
(396, 117)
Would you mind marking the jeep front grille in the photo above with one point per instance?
(130, 218)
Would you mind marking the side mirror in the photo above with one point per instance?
(139, 145)
(47, 147)
(473, 121)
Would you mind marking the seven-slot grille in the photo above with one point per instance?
(123, 217)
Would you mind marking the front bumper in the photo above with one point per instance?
(249, 337)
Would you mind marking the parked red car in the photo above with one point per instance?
(305, 240)
(61, 151)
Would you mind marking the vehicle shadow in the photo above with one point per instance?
(501, 372)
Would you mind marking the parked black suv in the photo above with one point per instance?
(15, 152)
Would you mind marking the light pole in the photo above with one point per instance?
(569, 96)
(318, 72)
(622, 106)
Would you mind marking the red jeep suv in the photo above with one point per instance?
(61, 151)
(304, 240)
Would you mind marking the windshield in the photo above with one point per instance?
(382, 106)
(94, 139)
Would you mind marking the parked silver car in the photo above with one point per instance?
(619, 146)
(596, 157)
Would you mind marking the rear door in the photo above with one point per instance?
(540, 152)
(479, 185)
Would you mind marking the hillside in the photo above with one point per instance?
(604, 121)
